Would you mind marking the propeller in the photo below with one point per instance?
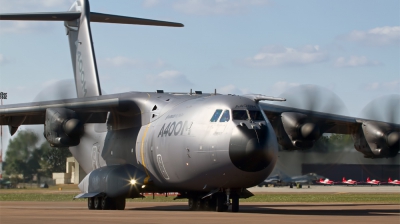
(314, 98)
(57, 90)
(385, 108)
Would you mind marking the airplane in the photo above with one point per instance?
(209, 147)
(349, 181)
(394, 182)
(286, 180)
(373, 182)
(325, 181)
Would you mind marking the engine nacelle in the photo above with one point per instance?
(296, 131)
(62, 127)
(377, 140)
(114, 181)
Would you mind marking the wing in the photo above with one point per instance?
(299, 129)
(91, 110)
(125, 108)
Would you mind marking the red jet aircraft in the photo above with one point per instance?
(349, 181)
(373, 182)
(394, 182)
(325, 182)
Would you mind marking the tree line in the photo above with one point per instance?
(26, 157)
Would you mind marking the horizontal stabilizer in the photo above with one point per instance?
(42, 16)
(107, 18)
(94, 17)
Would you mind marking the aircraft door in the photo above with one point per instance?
(95, 156)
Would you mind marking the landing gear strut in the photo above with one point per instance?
(219, 201)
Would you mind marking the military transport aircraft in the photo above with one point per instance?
(208, 147)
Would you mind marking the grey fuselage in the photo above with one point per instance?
(171, 137)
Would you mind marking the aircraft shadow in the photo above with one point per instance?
(279, 210)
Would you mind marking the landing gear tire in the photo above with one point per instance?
(207, 204)
(97, 203)
(199, 204)
(235, 203)
(211, 204)
(119, 203)
(192, 204)
(90, 203)
(221, 203)
(106, 203)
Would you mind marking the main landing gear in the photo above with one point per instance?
(106, 203)
(218, 202)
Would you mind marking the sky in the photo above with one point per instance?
(349, 48)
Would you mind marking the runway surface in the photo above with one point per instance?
(154, 212)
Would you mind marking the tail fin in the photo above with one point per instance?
(344, 179)
(368, 179)
(82, 52)
(77, 22)
(390, 179)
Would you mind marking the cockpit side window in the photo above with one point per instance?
(216, 115)
(240, 115)
(225, 116)
(256, 115)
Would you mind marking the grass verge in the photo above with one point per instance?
(307, 198)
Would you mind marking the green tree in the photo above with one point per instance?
(53, 159)
(22, 156)
(333, 142)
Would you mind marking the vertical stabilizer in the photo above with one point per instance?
(82, 51)
(77, 24)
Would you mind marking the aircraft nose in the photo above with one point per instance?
(248, 149)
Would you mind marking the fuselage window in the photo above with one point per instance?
(256, 115)
(216, 115)
(225, 116)
(240, 115)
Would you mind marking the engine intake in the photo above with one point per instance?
(301, 133)
(62, 127)
(377, 140)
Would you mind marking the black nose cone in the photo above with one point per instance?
(248, 148)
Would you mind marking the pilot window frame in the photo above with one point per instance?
(217, 114)
(257, 113)
(249, 115)
(242, 115)
(226, 112)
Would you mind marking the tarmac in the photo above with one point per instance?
(177, 212)
(155, 212)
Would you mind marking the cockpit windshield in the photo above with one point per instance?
(253, 115)
(256, 115)
(240, 115)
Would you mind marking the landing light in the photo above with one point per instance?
(133, 182)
